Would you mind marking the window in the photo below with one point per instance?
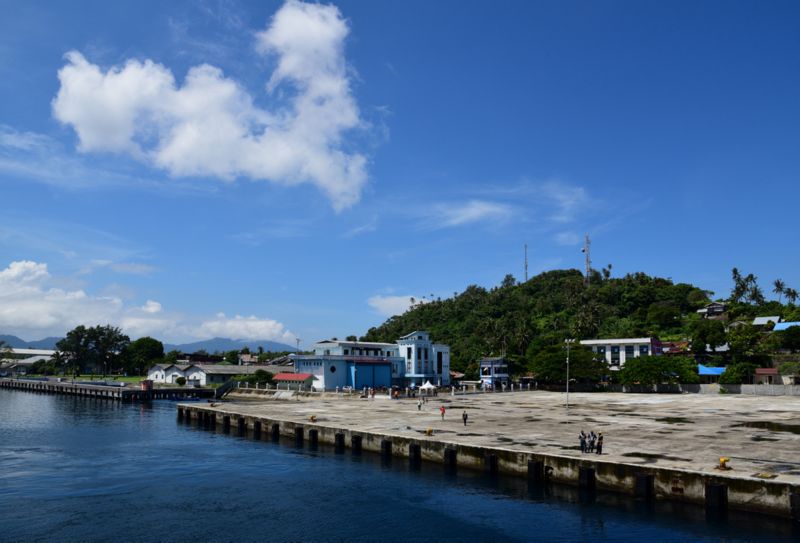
(601, 350)
(644, 350)
(629, 351)
(333, 369)
(408, 353)
(347, 351)
(426, 353)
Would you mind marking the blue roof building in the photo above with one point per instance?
(784, 325)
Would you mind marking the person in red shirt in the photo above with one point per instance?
(441, 410)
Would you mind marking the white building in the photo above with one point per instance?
(413, 360)
(617, 351)
(198, 374)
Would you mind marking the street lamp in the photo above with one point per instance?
(568, 342)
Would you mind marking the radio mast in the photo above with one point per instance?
(585, 251)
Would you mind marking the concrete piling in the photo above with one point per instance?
(386, 448)
(298, 436)
(313, 438)
(716, 498)
(226, 424)
(586, 479)
(338, 441)
(536, 472)
(242, 426)
(415, 455)
(257, 429)
(275, 432)
(644, 487)
(794, 506)
(355, 444)
(450, 459)
(490, 463)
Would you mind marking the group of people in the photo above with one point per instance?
(591, 442)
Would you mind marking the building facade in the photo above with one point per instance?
(617, 351)
(412, 361)
(493, 372)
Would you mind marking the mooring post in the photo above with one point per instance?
(313, 438)
(298, 436)
(257, 429)
(355, 444)
(415, 455)
(644, 488)
(242, 426)
(275, 432)
(226, 424)
(338, 441)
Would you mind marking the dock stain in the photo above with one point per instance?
(763, 438)
(771, 426)
(652, 457)
(675, 420)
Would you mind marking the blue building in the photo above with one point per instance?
(494, 372)
(358, 364)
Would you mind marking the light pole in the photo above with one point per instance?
(568, 342)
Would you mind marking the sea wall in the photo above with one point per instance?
(717, 492)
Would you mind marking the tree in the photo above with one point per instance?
(76, 346)
(655, 370)
(791, 295)
(351, 338)
(737, 374)
(790, 338)
(744, 341)
(550, 364)
(232, 357)
(779, 288)
(107, 344)
(142, 353)
(707, 333)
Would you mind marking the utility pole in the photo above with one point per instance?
(585, 251)
(568, 342)
(297, 351)
(526, 262)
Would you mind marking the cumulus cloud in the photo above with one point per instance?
(240, 327)
(210, 126)
(389, 306)
(30, 306)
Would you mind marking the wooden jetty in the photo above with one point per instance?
(107, 392)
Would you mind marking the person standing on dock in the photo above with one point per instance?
(441, 410)
(464, 417)
(599, 446)
(419, 404)
(582, 439)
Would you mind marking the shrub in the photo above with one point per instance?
(181, 381)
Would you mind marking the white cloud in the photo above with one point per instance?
(389, 306)
(459, 214)
(32, 307)
(567, 238)
(240, 327)
(209, 125)
(131, 268)
(23, 141)
(151, 306)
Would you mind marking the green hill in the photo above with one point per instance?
(521, 319)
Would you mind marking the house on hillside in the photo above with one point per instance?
(411, 361)
(763, 321)
(617, 351)
(714, 311)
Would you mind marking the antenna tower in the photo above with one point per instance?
(526, 262)
(585, 251)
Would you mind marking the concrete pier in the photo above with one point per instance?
(499, 440)
(131, 393)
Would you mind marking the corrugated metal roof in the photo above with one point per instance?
(784, 325)
(706, 370)
(292, 377)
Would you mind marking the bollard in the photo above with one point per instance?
(355, 444)
(257, 429)
(241, 425)
(586, 479)
(450, 459)
(490, 463)
(338, 441)
(414, 455)
(226, 424)
(298, 436)
(386, 447)
(794, 505)
(536, 472)
(313, 438)
(644, 488)
(275, 432)
(716, 497)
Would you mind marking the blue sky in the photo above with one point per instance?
(277, 170)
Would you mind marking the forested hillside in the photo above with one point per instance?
(521, 319)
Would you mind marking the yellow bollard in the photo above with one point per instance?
(723, 463)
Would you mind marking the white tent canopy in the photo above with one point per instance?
(427, 388)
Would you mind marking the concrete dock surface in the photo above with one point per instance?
(760, 435)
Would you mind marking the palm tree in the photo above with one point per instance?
(791, 295)
(780, 288)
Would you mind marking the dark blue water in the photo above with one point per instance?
(76, 469)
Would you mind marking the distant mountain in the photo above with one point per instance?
(19, 343)
(222, 344)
